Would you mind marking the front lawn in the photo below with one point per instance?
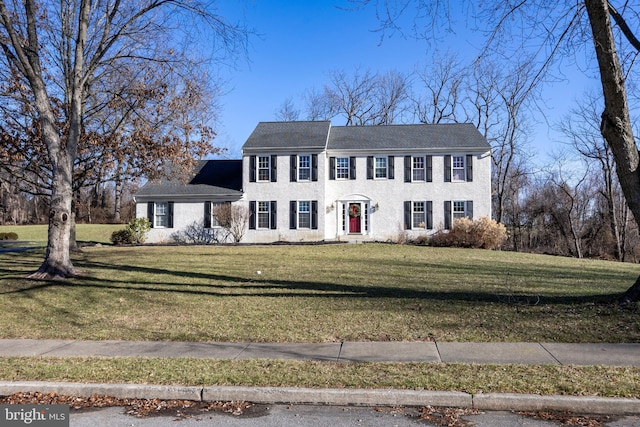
(319, 293)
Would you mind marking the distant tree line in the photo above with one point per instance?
(573, 206)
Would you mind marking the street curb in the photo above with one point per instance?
(534, 402)
(360, 397)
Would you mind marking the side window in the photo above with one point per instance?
(160, 214)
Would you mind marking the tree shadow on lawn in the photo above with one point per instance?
(269, 288)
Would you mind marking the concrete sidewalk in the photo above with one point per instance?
(433, 352)
(447, 352)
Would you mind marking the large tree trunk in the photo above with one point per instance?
(57, 263)
(616, 123)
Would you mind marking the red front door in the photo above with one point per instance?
(355, 216)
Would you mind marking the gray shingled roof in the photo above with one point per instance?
(209, 178)
(289, 135)
(407, 137)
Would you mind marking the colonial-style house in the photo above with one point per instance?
(311, 181)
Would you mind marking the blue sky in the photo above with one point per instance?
(300, 42)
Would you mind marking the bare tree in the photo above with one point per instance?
(64, 50)
(440, 93)
(582, 128)
(559, 30)
(287, 111)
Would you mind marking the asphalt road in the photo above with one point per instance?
(334, 416)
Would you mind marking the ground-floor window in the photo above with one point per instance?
(160, 214)
(262, 215)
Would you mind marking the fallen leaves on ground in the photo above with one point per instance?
(135, 407)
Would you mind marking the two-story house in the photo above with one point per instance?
(310, 181)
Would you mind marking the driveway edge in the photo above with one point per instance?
(359, 397)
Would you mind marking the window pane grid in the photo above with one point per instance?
(263, 215)
(381, 167)
(304, 214)
(419, 215)
(418, 169)
(304, 168)
(458, 168)
(263, 168)
(342, 168)
(162, 217)
(458, 209)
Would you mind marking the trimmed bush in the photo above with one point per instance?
(482, 233)
(122, 237)
(9, 236)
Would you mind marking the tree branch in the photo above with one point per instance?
(624, 27)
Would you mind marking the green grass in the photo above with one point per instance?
(84, 232)
(319, 294)
(551, 379)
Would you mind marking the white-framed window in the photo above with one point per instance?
(419, 219)
(214, 213)
(418, 168)
(304, 167)
(458, 168)
(264, 168)
(264, 215)
(459, 209)
(161, 215)
(380, 167)
(342, 168)
(304, 214)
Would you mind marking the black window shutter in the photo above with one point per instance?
(314, 214)
(429, 171)
(469, 209)
(352, 168)
(407, 215)
(274, 168)
(469, 168)
(447, 168)
(293, 168)
(170, 219)
(252, 168)
(252, 215)
(369, 167)
(207, 214)
(293, 213)
(150, 207)
(273, 211)
(429, 215)
(407, 168)
(447, 215)
(314, 167)
(391, 168)
(332, 168)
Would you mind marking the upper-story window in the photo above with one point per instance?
(264, 168)
(342, 168)
(418, 169)
(380, 167)
(458, 168)
(304, 168)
